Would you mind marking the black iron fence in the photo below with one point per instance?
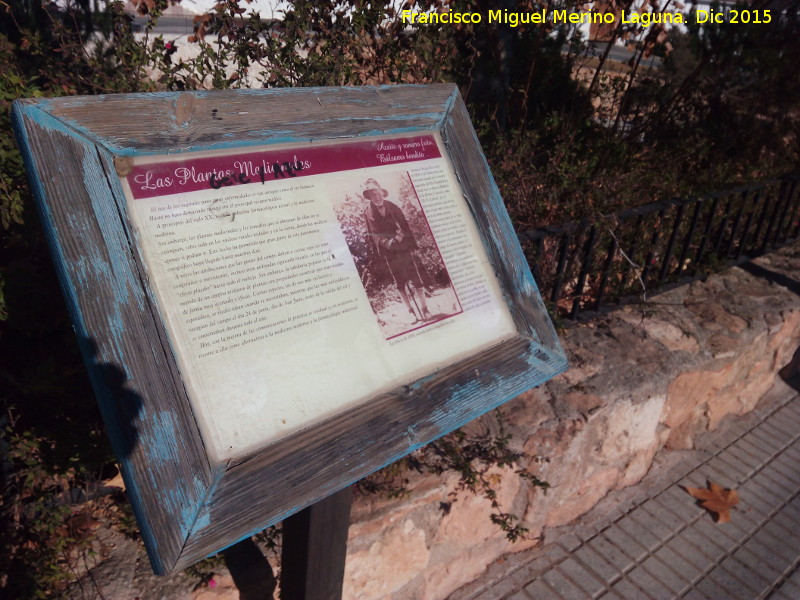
(588, 266)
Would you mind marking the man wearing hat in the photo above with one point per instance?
(390, 237)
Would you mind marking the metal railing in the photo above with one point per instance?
(583, 268)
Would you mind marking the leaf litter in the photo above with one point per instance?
(715, 499)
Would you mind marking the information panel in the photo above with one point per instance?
(278, 292)
(296, 281)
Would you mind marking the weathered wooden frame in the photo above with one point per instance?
(187, 505)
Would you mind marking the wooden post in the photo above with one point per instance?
(314, 549)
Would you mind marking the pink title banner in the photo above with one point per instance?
(262, 166)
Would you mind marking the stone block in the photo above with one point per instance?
(387, 565)
(584, 494)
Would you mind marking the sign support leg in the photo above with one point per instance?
(314, 549)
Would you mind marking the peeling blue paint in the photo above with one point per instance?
(189, 511)
(202, 520)
(161, 447)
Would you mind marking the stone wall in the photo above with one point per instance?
(643, 378)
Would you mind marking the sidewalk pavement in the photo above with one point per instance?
(653, 541)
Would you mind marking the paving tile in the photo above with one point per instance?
(776, 543)
(745, 512)
(743, 524)
(790, 416)
(755, 503)
(707, 545)
(728, 435)
(781, 594)
(767, 563)
(552, 553)
(610, 594)
(678, 471)
(714, 473)
(740, 457)
(568, 541)
(789, 518)
(738, 427)
(537, 590)
(696, 594)
(737, 471)
(656, 519)
(793, 575)
(614, 514)
(754, 449)
(595, 561)
(603, 521)
(611, 552)
(790, 587)
(777, 527)
(680, 502)
(786, 420)
(626, 543)
(788, 463)
(793, 451)
(733, 581)
(749, 463)
(522, 577)
(627, 590)
(498, 591)
(784, 474)
(785, 467)
(685, 570)
(589, 582)
(764, 440)
(782, 426)
(784, 527)
(681, 551)
(777, 431)
(648, 583)
(717, 590)
(720, 533)
(543, 562)
(665, 574)
(749, 574)
(691, 552)
(771, 480)
(662, 519)
(768, 573)
(733, 571)
(585, 532)
(693, 479)
(758, 494)
(562, 585)
(792, 509)
(644, 534)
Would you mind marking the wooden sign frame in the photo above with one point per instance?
(188, 503)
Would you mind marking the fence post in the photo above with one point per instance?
(588, 254)
(671, 244)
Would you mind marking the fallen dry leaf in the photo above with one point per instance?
(716, 499)
(116, 482)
